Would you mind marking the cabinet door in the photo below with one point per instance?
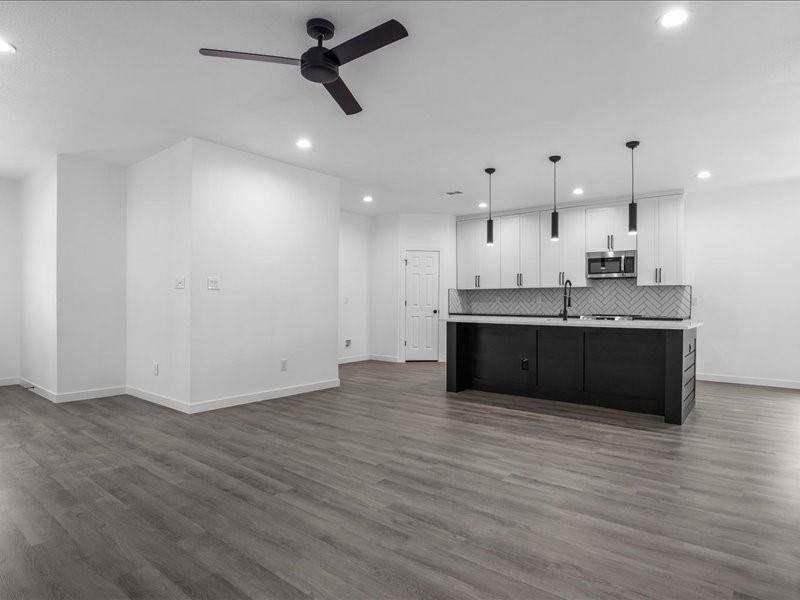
(670, 229)
(618, 228)
(488, 257)
(599, 223)
(508, 228)
(550, 253)
(529, 249)
(573, 245)
(647, 242)
(467, 253)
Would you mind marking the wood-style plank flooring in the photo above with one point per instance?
(390, 488)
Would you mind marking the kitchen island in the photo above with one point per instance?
(644, 366)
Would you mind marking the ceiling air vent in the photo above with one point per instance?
(454, 193)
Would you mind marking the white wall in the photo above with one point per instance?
(91, 276)
(10, 255)
(742, 261)
(158, 232)
(39, 330)
(354, 252)
(384, 302)
(431, 232)
(270, 232)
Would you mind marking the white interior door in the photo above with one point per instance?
(422, 305)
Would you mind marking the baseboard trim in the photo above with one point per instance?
(385, 358)
(90, 394)
(158, 399)
(72, 396)
(38, 390)
(9, 381)
(227, 402)
(292, 390)
(776, 383)
(354, 358)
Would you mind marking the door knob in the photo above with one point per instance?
(435, 311)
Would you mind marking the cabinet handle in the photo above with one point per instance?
(608, 242)
(479, 281)
(612, 241)
(476, 281)
(520, 280)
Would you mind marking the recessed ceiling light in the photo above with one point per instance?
(703, 174)
(303, 143)
(367, 198)
(577, 192)
(7, 48)
(675, 17)
(482, 205)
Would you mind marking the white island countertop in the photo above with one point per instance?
(575, 322)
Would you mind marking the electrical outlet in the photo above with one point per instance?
(213, 282)
(180, 283)
(284, 364)
(155, 369)
(347, 343)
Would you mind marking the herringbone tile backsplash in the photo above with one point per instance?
(609, 297)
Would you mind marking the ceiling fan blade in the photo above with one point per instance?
(343, 96)
(369, 41)
(249, 56)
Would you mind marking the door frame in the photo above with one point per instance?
(404, 308)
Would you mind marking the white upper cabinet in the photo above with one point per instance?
(566, 258)
(572, 234)
(660, 222)
(519, 250)
(524, 256)
(467, 253)
(478, 265)
(529, 250)
(509, 250)
(550, 253)
(489, 257)
(607, 229)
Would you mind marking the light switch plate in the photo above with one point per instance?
(213, 282)
(180, 283)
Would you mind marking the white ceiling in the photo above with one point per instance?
(475, 84)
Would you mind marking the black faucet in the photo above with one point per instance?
(567, 298)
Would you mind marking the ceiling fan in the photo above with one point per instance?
(320, 64)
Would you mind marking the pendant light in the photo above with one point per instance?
(554, 216)
(490, 223)
(632, 227)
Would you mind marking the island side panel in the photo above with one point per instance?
(458, 377)
(679, 388)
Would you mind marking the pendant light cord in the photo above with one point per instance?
(490, 196)
(554, 186)
(632, 199)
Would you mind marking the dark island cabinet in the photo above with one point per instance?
(642, 370)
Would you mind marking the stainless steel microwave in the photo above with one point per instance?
(600, 265)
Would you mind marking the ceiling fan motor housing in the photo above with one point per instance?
(318, 67)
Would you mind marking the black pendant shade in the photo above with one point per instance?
(554, 215)
(632, 225)
(490, 223)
